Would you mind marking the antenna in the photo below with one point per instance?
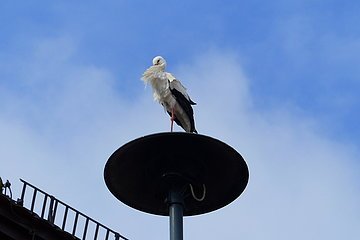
(176, 174)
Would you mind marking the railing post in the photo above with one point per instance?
(96, 231)
(50, 214)
(44, 206)
(54, 210)
(75, 223)
(33, 200)
(85, 228)
(107, 234)
(23, 193)
(117, 236)
(65, 217)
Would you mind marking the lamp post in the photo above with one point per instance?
(161, 173)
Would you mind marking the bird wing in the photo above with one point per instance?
(183, 99)
(175, 84)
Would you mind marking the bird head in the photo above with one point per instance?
(158, 66)
(159, 61)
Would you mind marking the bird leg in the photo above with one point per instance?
(172, 119)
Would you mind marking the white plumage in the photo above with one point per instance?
(170, 93)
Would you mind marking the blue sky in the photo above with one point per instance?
(278, 81)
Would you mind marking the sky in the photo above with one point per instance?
(278, 81)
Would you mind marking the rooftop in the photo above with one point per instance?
(38, 215)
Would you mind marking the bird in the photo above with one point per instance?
(171, 94)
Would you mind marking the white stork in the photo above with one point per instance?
(171, 94)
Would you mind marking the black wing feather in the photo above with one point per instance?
(186, 106)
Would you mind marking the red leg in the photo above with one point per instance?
(172, 119)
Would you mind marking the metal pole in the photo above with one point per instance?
(176, 214)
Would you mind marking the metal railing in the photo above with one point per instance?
(5, 186)
(49, 209)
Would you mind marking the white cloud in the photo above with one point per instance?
(302, 185)
(299, 180)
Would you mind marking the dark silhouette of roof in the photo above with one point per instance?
(36, 215)
(17, 222)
